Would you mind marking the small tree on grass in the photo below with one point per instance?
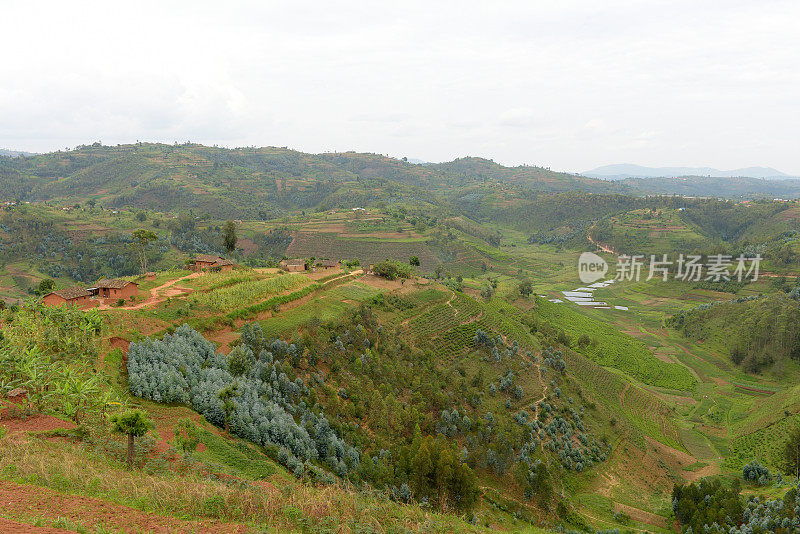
(45, 287)
(525, 288)
(414, 261)
(132, 423)
(487, 291)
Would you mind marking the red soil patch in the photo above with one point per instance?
(322, 273)
(119, 343)
(664, 357)
(328, 228)
(6, 525)
(223, 338)
(21, 500)
(247, 245)
(35, 423)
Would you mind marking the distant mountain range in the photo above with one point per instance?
(626, 170)
(13, 153)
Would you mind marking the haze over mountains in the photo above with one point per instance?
(14, 153)
(626, 170)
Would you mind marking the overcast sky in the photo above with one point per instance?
(570, 84)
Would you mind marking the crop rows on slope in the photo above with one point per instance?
(249, 311)
(433, 322)
(507, 320)
(770, 410)
(241, 294)
(617, 349)
(765, 445)
(447, 327)
(328, 246)
(647, 413)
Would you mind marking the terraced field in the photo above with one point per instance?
(368, 251)
(647, 414)
(617, 349)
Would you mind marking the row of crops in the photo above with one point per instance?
(322, 245)
(447, 326)
(646, 413)
(769, 410)
(766, 445)
(238, 295)
(617, 349)
(211, 281)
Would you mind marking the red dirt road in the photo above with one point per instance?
(157, 294)
(32, 501)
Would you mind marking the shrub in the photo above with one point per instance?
(392, 270)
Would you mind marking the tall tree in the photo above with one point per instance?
(226, 395)
(132, 423)
(791, 453)
(142, 239)
(229, 236)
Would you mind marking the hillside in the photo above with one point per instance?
(461, 386)
(247, 182)
(264, 183)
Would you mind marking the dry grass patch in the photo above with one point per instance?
(74, 468)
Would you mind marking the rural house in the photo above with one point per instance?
(74, 296)
(114, 289)
(294, 265)
(329, 264)
(208, 261)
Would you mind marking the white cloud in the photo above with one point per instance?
(569, 85)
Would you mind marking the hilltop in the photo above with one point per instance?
(265, 183)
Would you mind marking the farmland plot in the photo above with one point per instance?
(248, 292)
(646, 412)
(367, 251)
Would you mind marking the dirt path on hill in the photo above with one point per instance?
(541, 379)
(601, 246)
(157, 294)
(26, 501)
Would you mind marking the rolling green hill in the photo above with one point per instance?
(470, 395)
